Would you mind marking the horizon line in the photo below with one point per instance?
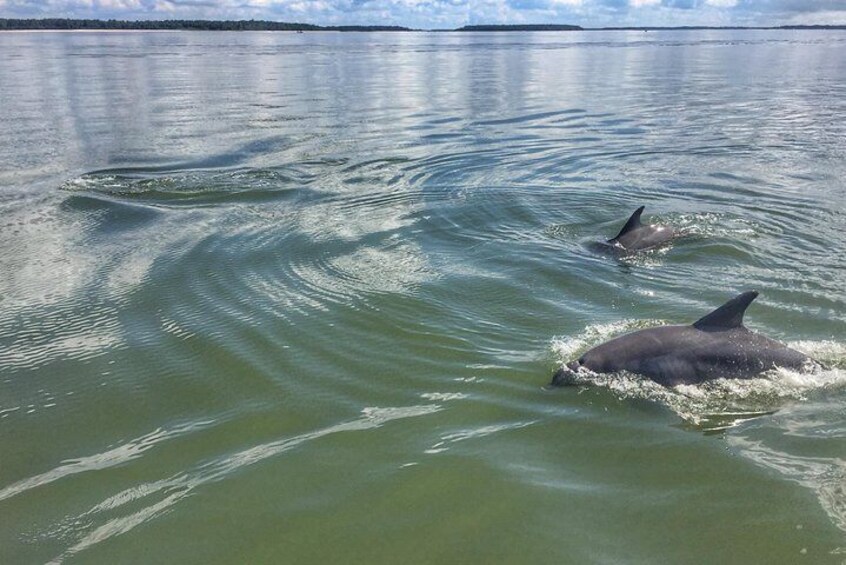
(113, 24)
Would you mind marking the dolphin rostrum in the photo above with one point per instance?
(717, 345)
(637, 236)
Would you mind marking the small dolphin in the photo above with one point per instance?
(637, 236)
(717, 345)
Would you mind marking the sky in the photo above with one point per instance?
(432, 14)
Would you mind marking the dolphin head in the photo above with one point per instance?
(566, 375)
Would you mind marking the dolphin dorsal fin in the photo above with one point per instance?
(632, 224)
(730, 314)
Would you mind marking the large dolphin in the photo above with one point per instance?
(637, 236)
(717, 345)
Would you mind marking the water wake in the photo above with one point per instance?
(144, 502)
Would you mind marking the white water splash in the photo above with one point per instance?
(711, 225)
(565, 347)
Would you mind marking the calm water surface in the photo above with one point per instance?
(295, 298)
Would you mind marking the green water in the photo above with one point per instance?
(295, 298)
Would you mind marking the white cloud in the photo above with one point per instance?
(827, 17)
(641, 3)
(722, 3)
(118, 4)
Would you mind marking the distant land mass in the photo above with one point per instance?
(198, 25)
(265, 25)
(557, 27)
(694, 28)
(528, 27)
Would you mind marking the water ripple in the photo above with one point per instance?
(118, 456)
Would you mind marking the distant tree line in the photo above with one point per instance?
(699, 28)
(813, 27)
(557, 27)
(526, 27)
(199, 25)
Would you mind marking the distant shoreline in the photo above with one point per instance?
(64, 24)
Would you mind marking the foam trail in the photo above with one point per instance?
(118, 456)
(178, 487)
